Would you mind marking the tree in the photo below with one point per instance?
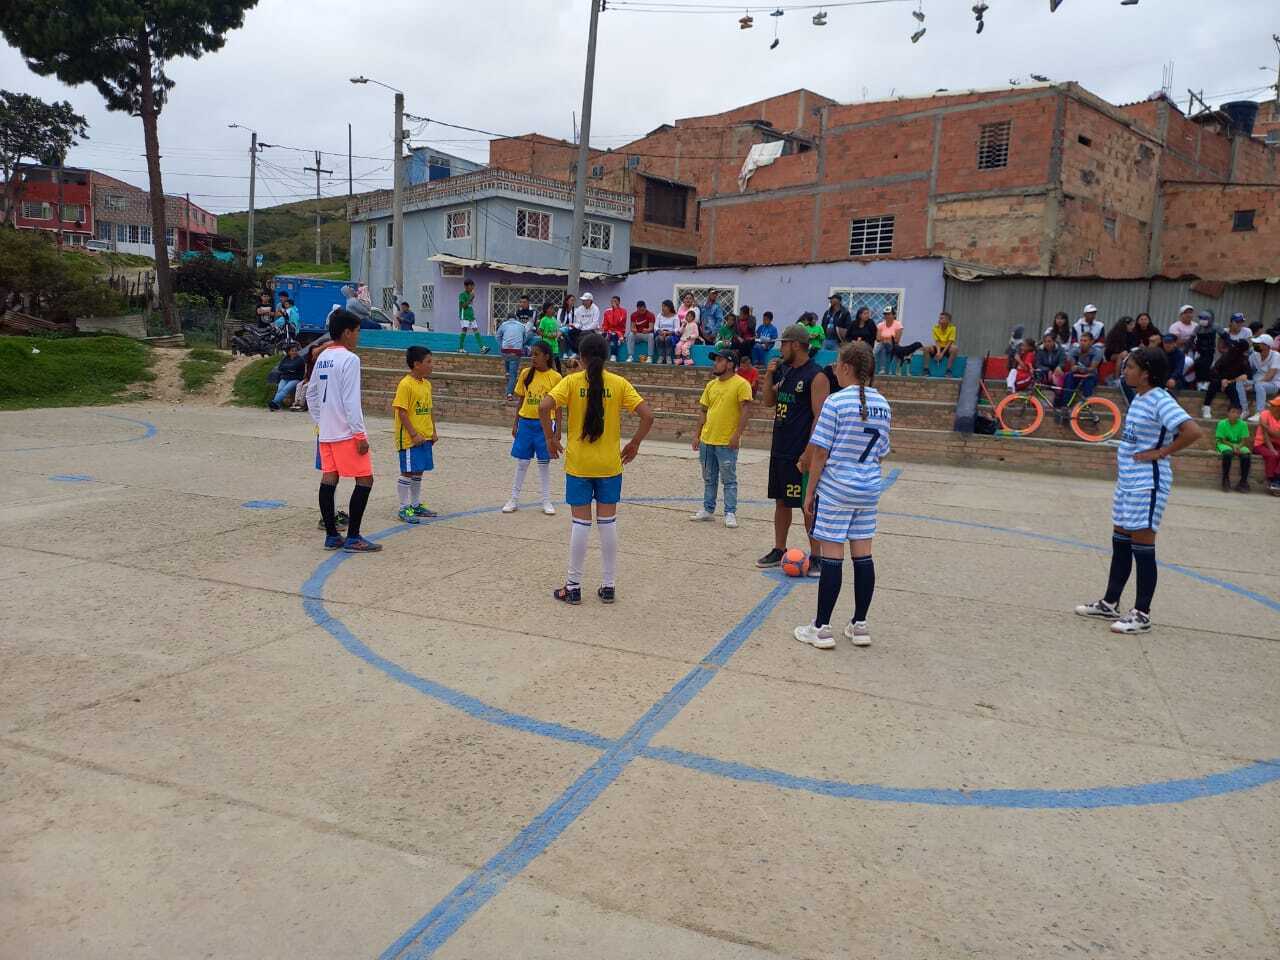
(122, 47)
(217, 281)
(59, 286)
(31, 129)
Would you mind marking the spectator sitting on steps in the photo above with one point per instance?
(1232, 436)
(1086, 357)
(1266, 372)
(1266, 444)
(1229, 374)
(290, 372)
(944, 345)
(1049, 360)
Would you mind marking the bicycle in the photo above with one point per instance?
(1092, 419)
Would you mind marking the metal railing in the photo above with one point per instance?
(470, 184)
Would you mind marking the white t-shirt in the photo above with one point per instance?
(1095, 328)
(333, 395)
(1268, 369)
(667, 324)
(587, 318)
(1183, 331)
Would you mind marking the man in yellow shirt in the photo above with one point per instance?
(593, 461)
(944, 344)
(415, 433)
(722, 417)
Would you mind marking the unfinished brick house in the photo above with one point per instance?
(1045, 179)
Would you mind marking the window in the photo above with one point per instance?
(438, 168)
(874, 299)
(73, 213)
(36, 211)
(73, 239)
(103, 230)
(993, 145)
(728, 296)
(457, 225)
(391, 234)
(1109, 225)
(1084, 141)
(871, 237)
(1242, 220)
(533, 224)
(168, 236)
(122, 233)
(116, 202)
(597, 170)
(597, 235)
(665, 203)
(372, 236)
(504, 299)
(144, 234)
(450, 270)
(428, 296)
(389, 299)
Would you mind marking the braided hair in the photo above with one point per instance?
(592, 350)
(858, 356)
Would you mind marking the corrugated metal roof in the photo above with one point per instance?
(516, 267)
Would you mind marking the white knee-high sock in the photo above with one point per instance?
(522, 468)
(608, 528)
(544, 478)
(403, 485)
(415, 491)
(579, 534)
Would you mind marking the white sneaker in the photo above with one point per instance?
(703, 515)
(819, 637)
(1135, 622)
(510, 507)
(731, 521)
(859, 634)
(1100, 609)
(1202, 386)
(548, 508)
(1205, 413)
(1255, 418)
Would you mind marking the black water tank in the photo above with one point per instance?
(1242, 113)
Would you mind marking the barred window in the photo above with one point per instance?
(372, 234)
(504, 299)
(727, 296)
(144, 234)
(389, 299)
(871, 236)
(533, 224)
(168, 236)
(116, 202)
(428, 296)
(874, 299)
(457, 225)
(597, 235)
(36, 211)
(72, 212)
(103, 230)
(1242, 220)
(993, 145)
(391, 235)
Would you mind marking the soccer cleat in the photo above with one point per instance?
(731, 521)
(702, 514)
(567, 594)
(1205, 413)
(407, 515)
(770, 559)
(272, 405)
(819, 637)
(1099, 608)
(548, 508)
(1135, 622)
(420, 511)
(340, 520)
(859, 634)
(335, 543)
(606, 594)
(358, 544)
(510, 507)
(1243, 486)
(1226, 485)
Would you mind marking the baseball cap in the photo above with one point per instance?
(1263, 338)
(587, 296)
(1089, 308)
(730, 355)
(796, 334)
(1170, 338)
(1185, 307)
(887, 309)
(1237, 318)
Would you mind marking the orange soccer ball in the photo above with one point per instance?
(795, 562)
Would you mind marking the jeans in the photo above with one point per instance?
(286, 387)
(760, 354)
(886, 357)
(646, 339)
(663, 347)
(1069, 384)
(614, 342)
(512, 362)
(1260, 390)
(719, 463)
(1238, 389)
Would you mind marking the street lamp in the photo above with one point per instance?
(397, 196)
(253, 173)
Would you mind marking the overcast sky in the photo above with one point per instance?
(515, 66)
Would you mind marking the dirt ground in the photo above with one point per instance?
(217, 740)
(167, 386)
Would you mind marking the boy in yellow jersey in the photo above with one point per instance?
(944, 344)
(415, 433)
(593, 462)
(527, 438)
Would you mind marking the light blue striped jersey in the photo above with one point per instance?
(854, 444)
(1152, 421)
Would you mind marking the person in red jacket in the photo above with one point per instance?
(642, 320)
(614, 326)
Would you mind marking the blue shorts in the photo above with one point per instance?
(417, 459)
(318, 464)
(580, 491)
(834, 524)
(530, 442)
(1138, 509)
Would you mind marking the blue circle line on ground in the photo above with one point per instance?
(149, 430)
(72, 478)
(264, 504)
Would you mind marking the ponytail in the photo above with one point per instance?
(592, 350)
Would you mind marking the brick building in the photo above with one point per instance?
(57, 200)
(122, 214)
(1045, 179)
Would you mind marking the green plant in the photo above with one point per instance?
(69, 371)
(251, 388)
(31, 129)
(201, 367)
(63, 287)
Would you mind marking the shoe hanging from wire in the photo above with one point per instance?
(820, 19)
(746, 22)
(776, 15)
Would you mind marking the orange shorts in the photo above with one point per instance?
(341, 457)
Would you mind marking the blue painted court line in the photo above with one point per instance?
(434, 929)
(264, 504)
(72, 478)
(149, 431)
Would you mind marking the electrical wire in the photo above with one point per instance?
(672, 6)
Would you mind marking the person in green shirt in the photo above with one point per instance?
(467, 317)
(817, 336)
(1233, 441)
(549, 332)
(724, 336)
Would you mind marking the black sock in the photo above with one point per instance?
(1144, 556)
(828, 589)
(1244, 466)
(327, 490)
(359, 499)
(1226, 466)
(864, 585)
(1121, 565)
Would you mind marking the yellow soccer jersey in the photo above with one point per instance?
(603, 456)
(414, 397)
(537, 389)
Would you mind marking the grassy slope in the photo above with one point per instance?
(288, 232)
(201, 366)
(251, 388)
(69, 371)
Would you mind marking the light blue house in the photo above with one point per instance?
(512, 227)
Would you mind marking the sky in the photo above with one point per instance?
(516, 66)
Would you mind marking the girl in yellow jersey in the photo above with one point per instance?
(526, 433)
(593, 461)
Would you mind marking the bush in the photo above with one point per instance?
(69, 371)
(63, 287)
(251, 388)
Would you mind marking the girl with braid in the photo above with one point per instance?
(848, 441)
(593, 461)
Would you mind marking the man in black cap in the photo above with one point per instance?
(793, 387)
(836, 322)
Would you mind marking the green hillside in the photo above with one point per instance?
(288, 232)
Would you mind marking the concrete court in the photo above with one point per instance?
(197, 762)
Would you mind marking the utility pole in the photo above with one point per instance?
(584, 150)
(318, 170)
(349, 191)
(253, 174)
(397, 203)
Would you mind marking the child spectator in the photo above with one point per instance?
(1023, 373)
(641, 329)
(766, 337)
(666, 330)
(748, 373)
(1177, 361)
(725, 335)
(689, 335)
(405, 317)
(722, 416)
(1232, 436)
(549, 331)
(817, 336)
(415, 433)
(290, 372)
(1049, 359)
(1266, 444)
(614, 326)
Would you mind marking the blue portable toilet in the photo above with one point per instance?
(314, 298)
